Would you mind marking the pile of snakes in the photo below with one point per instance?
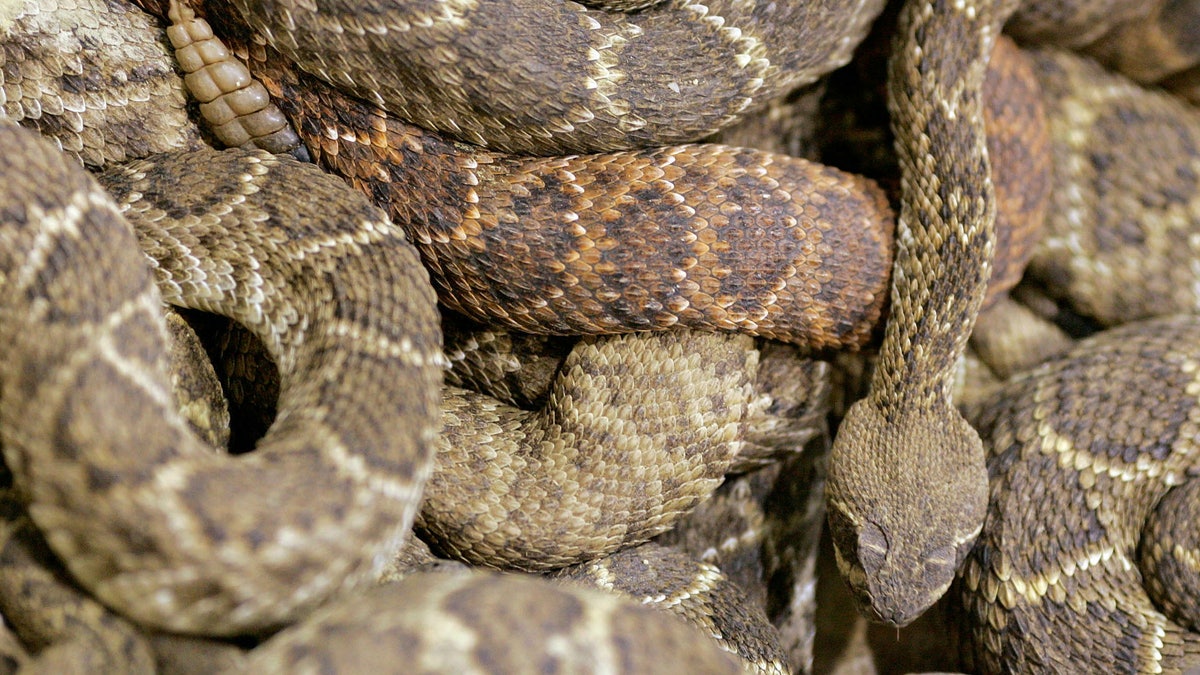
(516, 336)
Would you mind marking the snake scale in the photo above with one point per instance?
(544, 77)
(942, 266)
(1049, 557)
(212, 609)
(108, 349)
(907, 483)
(149, 200)
(698, 236)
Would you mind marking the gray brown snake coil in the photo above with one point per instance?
(1053, 583)
(948, 144)
(170, 532)
(547, 78)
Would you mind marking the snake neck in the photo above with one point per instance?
(907, 483)
(945, 233)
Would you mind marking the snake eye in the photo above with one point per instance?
(872, 546)
(864, 545)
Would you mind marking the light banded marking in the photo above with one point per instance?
(353, 467)
(154, 382)
(381, 344)
(369, 231)
(53, 226)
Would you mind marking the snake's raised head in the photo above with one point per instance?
(901, 527)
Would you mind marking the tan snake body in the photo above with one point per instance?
(105, 350)
(899, 565)
(907, 483)
(100, 84)
(1053, 585)
(149, 197)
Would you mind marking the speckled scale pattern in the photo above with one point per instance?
(547, 78)
(601, 465)
(79, 633)
(139, 508)
(468, 622)
(1119, 243)
(689, 236)
(655, 575)
(1074, 477)
(97, 76)
(1169, 554)
(907, 484)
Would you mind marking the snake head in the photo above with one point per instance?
(907, 496)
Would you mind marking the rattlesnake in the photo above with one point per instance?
(912, 265)
(241, 182)
(909, 572)
(907, 488)
(544, 77)
(1052, 584)
(1109, 422)
(907, 484)
(202, 604)
(108, 349)
(697, 236)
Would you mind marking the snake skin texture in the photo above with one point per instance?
(101, 83)
(468, 623)
(621, 239)
(1127, 162)
(149, 192)
(1047, 558)
(161, 487)
(657, 575)
(698, 236)
(907, 484)
(581, 441)
(480, 71)
(1154, 46)
(81, 635)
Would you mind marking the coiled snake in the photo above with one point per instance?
(898, 564)
(1052, 584)
(181, 214)
(88, 335)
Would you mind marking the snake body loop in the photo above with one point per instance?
(547, 78)
(695, 236)
(1052, 584)
(167, 531)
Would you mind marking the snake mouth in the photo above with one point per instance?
(895, 599)
(875, 598)
(894, 615)
(883, 606)
(891, 608)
